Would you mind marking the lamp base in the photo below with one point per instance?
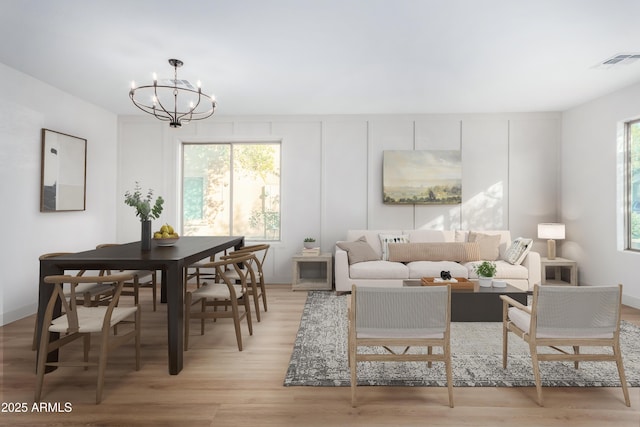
(551, 249)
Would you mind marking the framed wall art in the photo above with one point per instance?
(63, 172)
(429, 177)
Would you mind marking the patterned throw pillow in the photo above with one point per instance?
(518, 250)
(385, 239)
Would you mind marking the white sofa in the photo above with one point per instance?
(389, 273)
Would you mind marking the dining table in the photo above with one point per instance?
(170, 260)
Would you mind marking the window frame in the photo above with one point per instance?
(232, 143)
(628, 184)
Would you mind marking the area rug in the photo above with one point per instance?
(319, 357)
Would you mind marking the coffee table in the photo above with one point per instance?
(479, 305)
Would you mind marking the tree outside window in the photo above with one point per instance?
(232, 188)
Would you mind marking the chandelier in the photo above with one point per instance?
(173, 100)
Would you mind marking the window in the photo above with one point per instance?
(633, 184)
(231, 189)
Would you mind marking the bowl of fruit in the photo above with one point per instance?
(166, 236)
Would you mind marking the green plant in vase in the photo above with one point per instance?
(145, 210)
(486, 270)
(143, 207)
(309, 242)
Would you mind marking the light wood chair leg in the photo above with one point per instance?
(576, 350)
(536, 372)
(256, 300)
(447, 362)
(429, 352)
(505, 345)
(623, 378)
(354, 374)
(247, 308)
(102, 365)
(40, 366)
(264, 293)
(236, 323)
(505, 333)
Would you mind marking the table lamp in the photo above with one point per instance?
(552, 232)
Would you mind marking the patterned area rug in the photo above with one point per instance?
(320, 357)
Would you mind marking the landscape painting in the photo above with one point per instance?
(429, 177)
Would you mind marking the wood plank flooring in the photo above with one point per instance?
(221, 386)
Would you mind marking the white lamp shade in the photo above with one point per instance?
(551, 231)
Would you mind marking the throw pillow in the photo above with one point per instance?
(518, 250)
(385, 239)
(358, 251)
(434, 251)
(489, 245)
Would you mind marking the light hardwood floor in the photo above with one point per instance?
(220, 386)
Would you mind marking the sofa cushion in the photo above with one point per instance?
(420, 269)
(358, 251)
(378, 270)
(518, 250)
(437, 251)
(385, 239)
(489, 245)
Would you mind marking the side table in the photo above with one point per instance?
(565, 271)
(312, 272)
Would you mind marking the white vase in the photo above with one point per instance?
(485, 282)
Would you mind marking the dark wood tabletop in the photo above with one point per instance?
(170, 260)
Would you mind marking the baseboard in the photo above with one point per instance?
(631, 301)
(20, 313)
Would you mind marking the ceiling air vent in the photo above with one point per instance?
(620, 59)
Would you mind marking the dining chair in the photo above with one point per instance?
(225, 294)
(88, 294)
(585, 318)
(400, 317)
(80, 321)
(141, 279)
(257, 288)
(198, 271)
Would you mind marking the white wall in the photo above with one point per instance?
(589, 203)
(332, 171)
(26, 106)
(331, 175)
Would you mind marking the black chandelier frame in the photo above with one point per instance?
(174, 116)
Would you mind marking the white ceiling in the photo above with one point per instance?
(330, 56)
